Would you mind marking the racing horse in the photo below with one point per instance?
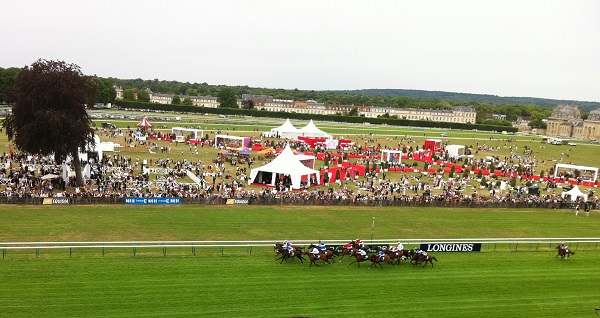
(419, 258)
(359, 258)
(329, 252)
(398, 255)
(279, 246)
(346, 251)
(313, 258)
(285, 255)
(377, 260)
(562, 253)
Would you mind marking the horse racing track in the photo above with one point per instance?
(510, 282)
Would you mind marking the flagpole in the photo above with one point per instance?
(372, 228)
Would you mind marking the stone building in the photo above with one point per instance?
(566, 122)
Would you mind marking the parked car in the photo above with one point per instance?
(108, 126)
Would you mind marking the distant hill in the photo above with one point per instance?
(465, 97)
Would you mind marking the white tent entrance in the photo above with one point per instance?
(286, 166)
(574, 194)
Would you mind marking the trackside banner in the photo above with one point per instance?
(452, 247)
(56, 201)
(136, 200)
(237, 201)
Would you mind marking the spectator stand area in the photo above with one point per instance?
(227, 142)
(182, 134)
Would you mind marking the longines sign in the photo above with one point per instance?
(452, 247)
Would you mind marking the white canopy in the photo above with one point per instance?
(287, 130)
(455, 150)
(310, 130)
(574, 193)
(286, 163)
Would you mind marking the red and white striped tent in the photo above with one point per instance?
(144, 124)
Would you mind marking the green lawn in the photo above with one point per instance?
(506, 283)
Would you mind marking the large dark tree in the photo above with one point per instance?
(227, 98)
(105, 92)
(7, 79)
(48, 114)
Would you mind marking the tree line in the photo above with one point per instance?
(135, 89)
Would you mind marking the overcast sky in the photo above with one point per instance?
(548, 48)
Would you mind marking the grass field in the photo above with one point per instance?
(523, 283)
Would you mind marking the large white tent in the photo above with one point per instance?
(310, 130)
(286, 130)
(574, 194)
(455, 150)
(285, 164)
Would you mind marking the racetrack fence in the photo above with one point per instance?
(194, 248)
(297, 201)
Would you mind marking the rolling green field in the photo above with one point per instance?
(528, 282)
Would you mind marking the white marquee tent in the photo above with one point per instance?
(574, 194)
(310, 130)
(455, 150)
(286, 163)
(286, 130)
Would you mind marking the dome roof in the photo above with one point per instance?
(594, 115)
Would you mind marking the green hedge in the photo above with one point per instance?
(335, 118)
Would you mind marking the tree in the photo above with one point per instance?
(176, 100)
(105, 92)
(129, 94)
(187, 102)
(7, 79)
(48, 115)
(143, 96)
(353, 112)
(227, 98)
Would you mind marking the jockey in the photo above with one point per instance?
(423, 252)
(564, 246)
(322, 246)
(393, 249)
(360, 243)
(400, 246)
(381, 255)
(362, 253)
(315, 251)
(348, 246)
(288, 246)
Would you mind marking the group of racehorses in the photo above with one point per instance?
(328, 255)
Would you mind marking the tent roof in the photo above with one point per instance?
(574, 193)
(287, 163)
(310, 127)
(286, 127)
(144, 123)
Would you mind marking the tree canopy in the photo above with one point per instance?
(105, 92)
(227, 98)
(48, 114)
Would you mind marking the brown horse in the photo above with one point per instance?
(562, 253)
(285, 255)
(377, 260)
(346, 251)
(419, 258)
(313, 258)
(278, 246)
(394, 256)
(359, 258)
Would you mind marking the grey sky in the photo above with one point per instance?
(548, 48)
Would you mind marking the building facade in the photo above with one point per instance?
(566, 122)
